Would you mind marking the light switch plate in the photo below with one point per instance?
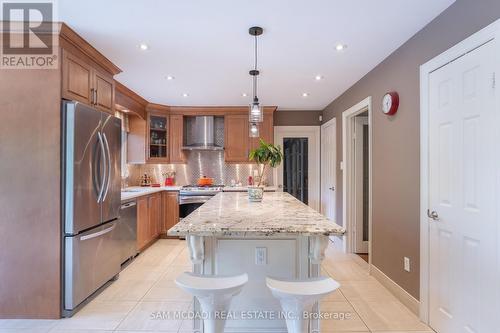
(261, 256)
(407, 264)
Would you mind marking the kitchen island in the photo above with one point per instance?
(279, 237)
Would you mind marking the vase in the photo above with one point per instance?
(255, 193)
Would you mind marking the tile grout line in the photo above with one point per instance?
(348, 301)
(139, 301)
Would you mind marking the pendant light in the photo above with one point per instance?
(256, 114)
(254, 130)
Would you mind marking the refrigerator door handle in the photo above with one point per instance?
(103, 180)
(95, 177)
(99, 233)
(108, 161)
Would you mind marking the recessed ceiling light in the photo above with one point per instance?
(170, 77)
(340, 47)
(143, 46)
(185, 95)
(305, 94)
(244, 94)
(318, 77)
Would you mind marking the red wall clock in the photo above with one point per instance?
(390, 103)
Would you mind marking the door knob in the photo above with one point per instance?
(332, 188)
(433, 215)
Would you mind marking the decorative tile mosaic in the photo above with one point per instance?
(199, 163)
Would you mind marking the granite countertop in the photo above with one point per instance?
(138, 191)
(231, 214)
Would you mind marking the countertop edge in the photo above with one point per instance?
(255, 233)
(147, 191)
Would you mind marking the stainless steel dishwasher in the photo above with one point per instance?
(127, 230)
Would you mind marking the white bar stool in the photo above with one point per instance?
(299, 296)
(214, 294)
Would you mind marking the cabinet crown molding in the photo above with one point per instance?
(70, 36)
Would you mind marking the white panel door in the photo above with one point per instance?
(328, 169)
(463, 183)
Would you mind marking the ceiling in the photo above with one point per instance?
(206, 47)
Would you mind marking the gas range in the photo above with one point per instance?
(194, 190)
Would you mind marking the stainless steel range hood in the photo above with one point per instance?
(201, 134)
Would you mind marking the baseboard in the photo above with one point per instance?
(402, 295)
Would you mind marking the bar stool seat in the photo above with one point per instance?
(299, 296)
(214, 294)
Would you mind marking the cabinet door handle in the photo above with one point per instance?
(95, 99)
(92, 96)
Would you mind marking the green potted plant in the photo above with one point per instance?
(265, 155)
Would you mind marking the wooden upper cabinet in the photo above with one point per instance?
(77, 79)
(266, 131)
(85, 83)
(104, 91)
(236, 139)
(136, 140)
(157, 137)
(176, 139)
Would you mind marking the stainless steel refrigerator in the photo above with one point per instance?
(92, 171)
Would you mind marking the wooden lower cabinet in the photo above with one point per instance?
(170, 213)
(156, 213)
(148, 219)
(142, 222)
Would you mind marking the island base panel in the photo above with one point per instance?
(288, 257)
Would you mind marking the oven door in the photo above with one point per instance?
(188, 204)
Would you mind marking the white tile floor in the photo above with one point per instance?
(146, 286)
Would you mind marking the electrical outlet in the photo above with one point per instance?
(261, 256)
(407, 264)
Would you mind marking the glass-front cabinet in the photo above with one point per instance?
(157, 137)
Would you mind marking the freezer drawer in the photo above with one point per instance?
(91, 259)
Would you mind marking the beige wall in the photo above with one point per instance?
(396, 139)
(297, 118)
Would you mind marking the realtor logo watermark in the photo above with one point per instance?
(28, 36)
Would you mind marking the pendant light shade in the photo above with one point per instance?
(255, 110)
(255, 114)
(254, 130)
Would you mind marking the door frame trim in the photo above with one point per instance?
(315, 153)
(330, 122)
(347, 181)
(487, 34)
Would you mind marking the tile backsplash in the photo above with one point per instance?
(199, 163)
